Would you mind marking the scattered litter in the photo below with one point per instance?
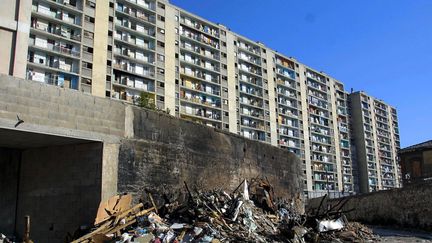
(248, 215)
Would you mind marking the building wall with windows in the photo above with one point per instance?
(376, 138)
(192, 68)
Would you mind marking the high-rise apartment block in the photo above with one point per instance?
(376, 138)
(202, 71)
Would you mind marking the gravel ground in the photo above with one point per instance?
(397, 235)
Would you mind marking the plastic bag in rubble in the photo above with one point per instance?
(284, 214)
(327, 225)
(245, 191)
(248, 220)
(168, 237)
(158, 223)
(125, 238)
(237, 210)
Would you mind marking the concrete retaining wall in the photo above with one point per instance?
(167, 151)
(54, 110)
(406, 207)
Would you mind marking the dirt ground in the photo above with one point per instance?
(398, 235)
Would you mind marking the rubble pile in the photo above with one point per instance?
(248, 214)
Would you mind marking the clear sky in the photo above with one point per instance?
(381, 47)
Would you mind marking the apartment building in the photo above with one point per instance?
(192, 68)
(376, 140)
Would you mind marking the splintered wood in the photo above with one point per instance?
(114, 215)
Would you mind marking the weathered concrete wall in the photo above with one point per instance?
(141, 149)
(49, 109)
(9, 167)
(166, 151)
(406, 207)
(60, 188)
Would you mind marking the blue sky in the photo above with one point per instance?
(382, 47)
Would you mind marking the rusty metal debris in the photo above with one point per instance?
(250, 214)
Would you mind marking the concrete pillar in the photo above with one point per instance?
(100, 42)
(170, 60)
(232, 92)
(272, 96)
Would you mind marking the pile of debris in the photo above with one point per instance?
(249, 214)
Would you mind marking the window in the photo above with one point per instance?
(88, 49)
(87, 65)
(161, 44)
(88, 34)
(90, 4)
(223, 32)
(89, 19)
(161, 31)
(161, 18)
(160, 58)
(176, 30)
(161, 5)
(176, 18)
(86, 81)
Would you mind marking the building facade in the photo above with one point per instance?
(416, 163)
(376, 140)
(193, 69)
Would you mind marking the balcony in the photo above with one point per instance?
(288, 112)
(197, 98)
(255, 113)
(249, 58)
(315, 76)
(201, 51)
(201, 75)
(252, 123)
(286, 83)
(251, 91)
(251, 101)
(199, 38)
(286, 72)
(58, 15)
(138, 14)
(200, 87)
(247, 47)
(287, 102)
(251, 80)
(54, 63)
(57, 47)
(200, 63)
(200, 26)
(56, 30)
(133, 69)
(143, 4)
(250, 69)
(286, 92)
(289, 143)
(136, 29)
(201, 112)
(285, 63)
